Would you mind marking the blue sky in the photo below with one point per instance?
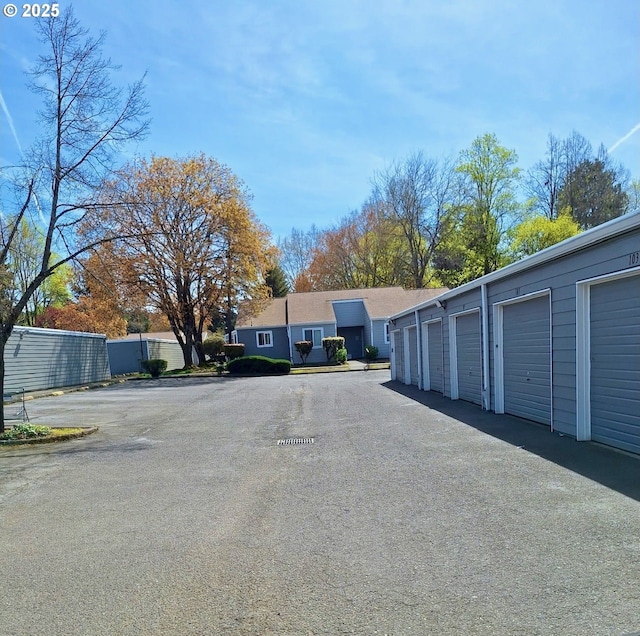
(305, 100)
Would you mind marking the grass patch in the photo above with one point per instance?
(28, 433)
(65, 432)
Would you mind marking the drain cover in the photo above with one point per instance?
(295, 440)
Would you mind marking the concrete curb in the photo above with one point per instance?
(50, 440)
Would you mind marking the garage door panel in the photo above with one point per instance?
(615, 363)
(527, 359)
(413, 355)
(469, 358)
(435, 352)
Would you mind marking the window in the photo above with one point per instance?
(264, 339)
(386, 332)
(315, 336)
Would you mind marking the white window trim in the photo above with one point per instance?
(264, 346)
(387, 333)
(312, 329)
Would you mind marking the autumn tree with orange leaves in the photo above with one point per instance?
(193, 247)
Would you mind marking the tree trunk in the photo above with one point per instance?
(3, 341)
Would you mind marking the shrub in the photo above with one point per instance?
(331, 345)
(258, 365)
(341, 355)
(26, 431)
(214, 345)
(155, 367)
(303, 347)
(233, 351)
(371, 352)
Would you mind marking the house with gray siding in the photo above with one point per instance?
(553, 338)
(361, 316)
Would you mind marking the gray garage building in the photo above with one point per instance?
(553, 338)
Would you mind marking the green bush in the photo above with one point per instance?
(341, 355)
(331, 345)
(258, 365)
(214, 345)
(26, 431)
(303, 347)
(233, 351)
(155, 367)
(371, 352)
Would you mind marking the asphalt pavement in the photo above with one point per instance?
(386, 511)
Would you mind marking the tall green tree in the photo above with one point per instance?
(539, 232)
(276, 281)
(594, 193)
(489, 177)
(85, 121)
(23, 261)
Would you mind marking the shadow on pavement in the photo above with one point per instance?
(613, 469)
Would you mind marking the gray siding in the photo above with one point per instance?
(38, 359)
(168, 350)
(125, 356)
(527, 360)
(561, 273)
(378, 339)
(350, 314)
(606, 257)
(279, 339)
(469, 357)
(316, 355)
(615, 363)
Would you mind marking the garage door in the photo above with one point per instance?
(397, 345)
(469, 357)
(413, 355)
(615, 363)
(434, 356)
(527, 359)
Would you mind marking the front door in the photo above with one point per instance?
(353, 341)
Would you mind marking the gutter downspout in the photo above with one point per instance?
(486, 391)
(419, 348)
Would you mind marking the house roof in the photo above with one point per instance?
(273, 315)
(304, 308)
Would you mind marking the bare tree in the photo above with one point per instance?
(417, 194)
(546, 178)
(85, 121)
(296, 256)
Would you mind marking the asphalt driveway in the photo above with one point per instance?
(408, 514)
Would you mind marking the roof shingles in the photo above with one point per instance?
(313, 307)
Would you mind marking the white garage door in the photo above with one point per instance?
(469, 357)
(527, 359)
(615, 363)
